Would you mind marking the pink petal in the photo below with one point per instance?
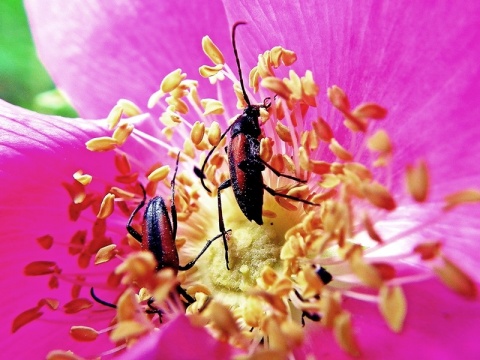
(398, 55)
(39, 153)
(443, 328)
(420, 60)
(179, 340)
(98, 53)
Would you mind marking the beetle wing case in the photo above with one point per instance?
(158, 234)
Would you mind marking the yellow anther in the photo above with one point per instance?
(129, 108)
(159, 174)
(343, 331)
(380, 142)
(370, 111)
(128, 329)
(368, 224)
(212, 51)
(338, 98)
(283, 133)
(106, 208)
(103, 143)
(340, 151)
(393, 306)
(323, 130)
(82, 178)
(379, 196)
(172, 80)
(198, 130)
(360, 170)
(214, 134)
(114, 116)
(456, 279)
(122, 133)
(288, 57)
(329, 181)
(155, 98)
(294, 84)
(254, 79)
(277, 86)
(212, 107)
(264, 68)
(461, 197)
(308, 84)
(418, 181)
(275, 56)
(105, 254)
(178, 105)
(266, 149)
(366, 272)
(207, 71)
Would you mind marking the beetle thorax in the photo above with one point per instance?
(247, 123)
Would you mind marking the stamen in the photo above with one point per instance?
(83, 333)
(393, 306)
(212, 51)
(105, 254)
(212, 107)
(198, 130)
(171, 81)
(106, 208)
(461, 197)
(45, 241)
(159, 174)
(114, 116)
(77, 305)
(214, 134)
(62, 355)
(103, 143)
(209, 71)
(82, 178)
(456, 279)
(277, 86)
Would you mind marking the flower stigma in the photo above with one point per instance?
(297, 267)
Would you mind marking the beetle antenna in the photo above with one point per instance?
(100, 301)
(247, 100)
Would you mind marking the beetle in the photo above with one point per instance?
(159, 233)
(158, 236)
(244, 161)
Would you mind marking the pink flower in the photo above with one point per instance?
(420, 62)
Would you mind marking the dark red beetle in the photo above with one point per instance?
(159, 233)
(158, 236)
(245, 164)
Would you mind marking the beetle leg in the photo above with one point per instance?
(226, 184)
(274, 193)
(135, 234)
(190, 300)
(207, 245)
(278, 173)
(173, 209)
(202, 171)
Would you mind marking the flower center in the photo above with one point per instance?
(251, 248)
